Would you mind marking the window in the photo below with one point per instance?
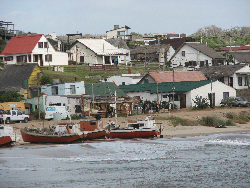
(21, 58)
(38, 75)
(48, 57)
(40, 44)
(206, 63)
(81, 58)
(225, 95)
(123, 83)
(201, 63)
(72, 89)
(45, 44)
(183, 53)
(35, 58)
(240, 81)
(8, 58)
(54, 90)
(246, 81)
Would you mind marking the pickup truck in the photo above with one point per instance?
(13, 115)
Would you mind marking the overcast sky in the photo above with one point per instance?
(143, 16)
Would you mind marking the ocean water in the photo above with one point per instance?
(221, 160)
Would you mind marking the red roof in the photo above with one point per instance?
(235, 48)
(179, 76)
(21, 45)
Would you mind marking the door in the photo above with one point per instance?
(41, 59)
(211, 97)
(182, 101)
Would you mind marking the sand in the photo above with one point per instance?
(169, 129)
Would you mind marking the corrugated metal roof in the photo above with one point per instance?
(99, 89)
(165, 87)
(21, 45)
(100, 47)
(179, 76)
(235, 48)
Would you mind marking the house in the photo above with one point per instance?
(118, 32)
(122, 46)
(167, 76)
(153, 53)
(236, 48)
(195, 55)
(239, 57)
(185, 92)
(19, 77)
(68, 88)
(124, 79)
(236, 76)
(72, 103)
(95, 52)
(33, 49)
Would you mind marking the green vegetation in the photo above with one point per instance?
(200, 103)
(10, 96)
(212, 121)
(242, 118)
(178, 121)
(45, 80)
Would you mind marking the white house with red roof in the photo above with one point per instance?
(33, 49)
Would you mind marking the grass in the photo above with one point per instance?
(84, 76)
(178, 121)
(212, 121)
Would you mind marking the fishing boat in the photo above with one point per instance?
(62, 133)
(6, 135)
(92, 129)
(136, 129)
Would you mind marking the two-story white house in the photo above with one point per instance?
(118, 32)
(194, 55)
(33, 49)
(236, 76)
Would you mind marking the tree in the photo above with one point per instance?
(10, 96)
(45, 80)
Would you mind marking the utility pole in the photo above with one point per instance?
(173, 88)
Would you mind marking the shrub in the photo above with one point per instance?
(212, 121)
(36, 114)
(200, 103)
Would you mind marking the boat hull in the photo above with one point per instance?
(35, 138)
(5, 140)
(89, 135)
(128, 134)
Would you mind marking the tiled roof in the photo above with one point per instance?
(21, 45)
(99, 89)
(165, 87)
(12, 76)
(235, 48)
(100, 46)
(243, 57)
(216, 72)
(167, 76)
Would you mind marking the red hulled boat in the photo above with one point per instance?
(92, 129)
(6, 135)
(62, 133)
(138, 129)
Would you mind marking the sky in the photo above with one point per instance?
(142, 16)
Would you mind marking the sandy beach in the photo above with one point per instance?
(169, 129)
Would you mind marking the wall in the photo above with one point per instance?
(13, 105)
(33, 80)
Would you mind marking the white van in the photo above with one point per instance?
(51, 110)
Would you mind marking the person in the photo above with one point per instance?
(156, 108)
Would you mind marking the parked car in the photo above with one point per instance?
(240, 102)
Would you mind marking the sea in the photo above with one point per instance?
(221, 160)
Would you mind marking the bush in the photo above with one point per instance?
(200, 103)
(212, 121)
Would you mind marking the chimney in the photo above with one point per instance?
(116, 26)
